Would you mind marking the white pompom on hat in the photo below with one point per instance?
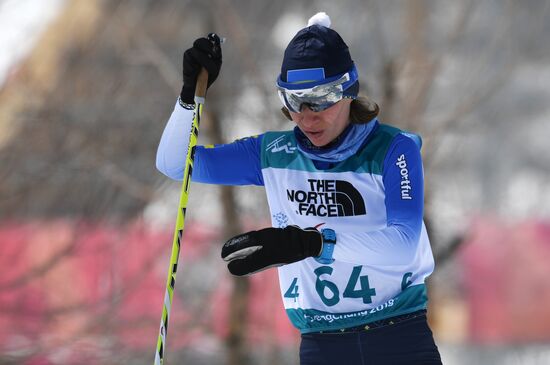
(320, 18)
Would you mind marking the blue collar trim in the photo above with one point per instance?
(344, 146)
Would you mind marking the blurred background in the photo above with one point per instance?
(86, 221)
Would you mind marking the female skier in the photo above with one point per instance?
(346, 196)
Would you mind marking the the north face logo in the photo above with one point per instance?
(328, 198)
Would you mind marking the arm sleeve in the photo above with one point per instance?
(396, 244)
(173, 145)
(236, 163)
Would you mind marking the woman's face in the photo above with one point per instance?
(323, 127)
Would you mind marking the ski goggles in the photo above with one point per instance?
(318, 97)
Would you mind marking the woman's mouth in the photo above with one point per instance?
(313, 133)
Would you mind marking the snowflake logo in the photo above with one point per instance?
(281, 219)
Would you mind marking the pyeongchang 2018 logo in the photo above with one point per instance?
(328, 198)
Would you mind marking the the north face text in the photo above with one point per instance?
(328, 198)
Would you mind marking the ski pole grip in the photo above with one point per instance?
(202, 84)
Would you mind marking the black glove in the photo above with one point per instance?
(258, 250)
(207, 53)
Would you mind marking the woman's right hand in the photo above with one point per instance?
(206, 53)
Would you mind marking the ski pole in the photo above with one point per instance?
(200, 94)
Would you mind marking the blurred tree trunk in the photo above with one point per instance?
(389, 87)
(238, 304)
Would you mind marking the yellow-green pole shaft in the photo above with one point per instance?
(200, 93)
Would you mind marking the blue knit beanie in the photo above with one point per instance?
(317, 55)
